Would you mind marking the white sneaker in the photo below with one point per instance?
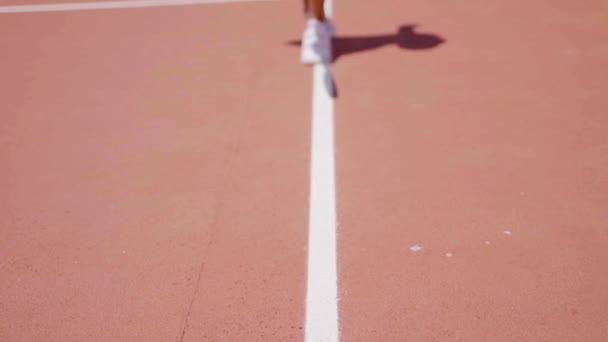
(316, 43)
(329, 24)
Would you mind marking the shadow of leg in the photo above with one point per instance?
(408, 39)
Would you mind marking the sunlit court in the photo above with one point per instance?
(303, 170)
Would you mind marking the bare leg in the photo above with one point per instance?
(316, 8)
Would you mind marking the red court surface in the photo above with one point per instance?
(155, 172)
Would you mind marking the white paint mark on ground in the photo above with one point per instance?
(416, 248)
(81, 6)
(322, 285)
(321, 297)
(507, 232)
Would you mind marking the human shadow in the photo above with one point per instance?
(405, 38)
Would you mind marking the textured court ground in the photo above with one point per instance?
(155, 172)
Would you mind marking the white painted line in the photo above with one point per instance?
(80, 6)
(322, 285)
(322, 292)
(328, 7)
